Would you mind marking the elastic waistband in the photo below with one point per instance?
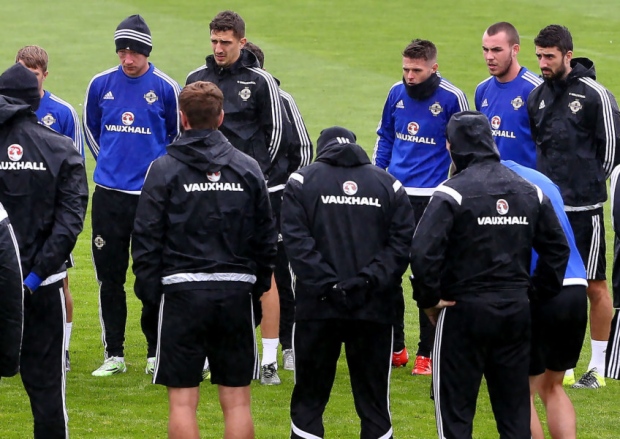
(486, 296)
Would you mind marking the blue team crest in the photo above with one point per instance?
(150, 97)
(517, 102)
(436, 109)
(48, 120)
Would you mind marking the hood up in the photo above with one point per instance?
(471, 140)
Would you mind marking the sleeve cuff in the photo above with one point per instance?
(32, 281)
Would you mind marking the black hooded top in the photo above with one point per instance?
(255, 120)
(343, 217)
(43, 184)
(204, 210)
(575, 123)
(476, 236)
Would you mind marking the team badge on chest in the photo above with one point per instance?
(150, 97)
(48, 120)
(517, 102)
(435, 109)
(245, 93)
(575, 106)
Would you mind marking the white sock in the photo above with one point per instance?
(68, 327)
(206, 364)
(599, 348)
(270, 351)
(569, 372)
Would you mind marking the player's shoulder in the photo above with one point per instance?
(166, 79)
(197, 74)
(484, 84)
(450, 88)
(60, 104)
(104, 75)
(261, 76)
(529, 79)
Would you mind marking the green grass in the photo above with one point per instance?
(338, 58)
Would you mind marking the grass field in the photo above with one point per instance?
(339, 59)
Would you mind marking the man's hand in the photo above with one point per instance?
(433, 313)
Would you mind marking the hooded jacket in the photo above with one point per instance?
(475, 239)
(11, 299)
(255, 120)
(343, 217)
(576, 126)
(203, 215)
(43, 187)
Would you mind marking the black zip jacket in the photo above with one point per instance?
(43, 187)
(203, 215)
(476, 236)
(255, 120)
(341, 218)
(576, 126)
(615, 221)
(11, 299)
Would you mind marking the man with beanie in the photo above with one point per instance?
(347, 226)
(470, 264)
(204, 243)
(130, 115)
(255, 123)
(409, 146)
(60, 116)
(43, 188)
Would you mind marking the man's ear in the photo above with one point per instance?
(184, 121)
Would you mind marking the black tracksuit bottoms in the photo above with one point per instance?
(368, 348)
(42, 363)
(284, 280)
(490, 337)
(427, 330)
(113, 214)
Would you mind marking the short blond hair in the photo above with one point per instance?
(33, 57)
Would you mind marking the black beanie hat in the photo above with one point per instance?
(133, 34)
(334, 134)
(19, 82)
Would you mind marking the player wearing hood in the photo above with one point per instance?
(575, 123)
(204, 241)
(470, 261)
(43, 188)
(346, 226)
